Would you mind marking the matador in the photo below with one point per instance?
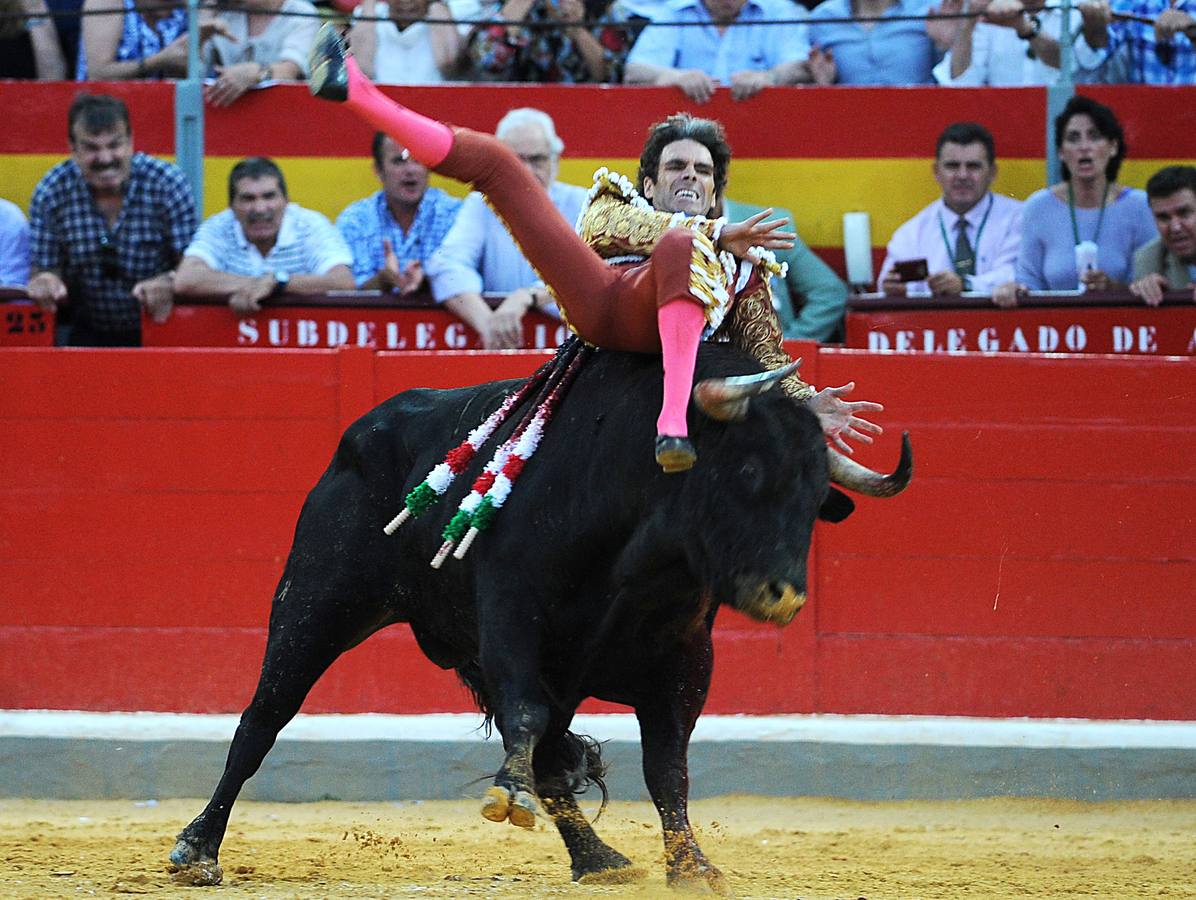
(646, 270)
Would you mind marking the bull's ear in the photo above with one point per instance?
(836, 507)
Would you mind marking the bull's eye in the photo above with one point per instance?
(752, 476)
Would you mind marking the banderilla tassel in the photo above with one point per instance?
(442, 554)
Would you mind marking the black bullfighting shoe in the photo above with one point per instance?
(675, 454)
(329, 80)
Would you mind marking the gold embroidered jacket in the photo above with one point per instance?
(618, 222)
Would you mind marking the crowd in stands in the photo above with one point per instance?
(113, 232)
(693, 45)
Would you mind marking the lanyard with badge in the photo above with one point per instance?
(1086, 251)
(965, 268)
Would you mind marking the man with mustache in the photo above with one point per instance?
(107, 227)
(970, 236)
(263, 245)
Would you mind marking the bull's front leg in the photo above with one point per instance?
(509, 651)
(512, 798)
(666, 723)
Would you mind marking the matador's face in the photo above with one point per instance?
(684, 179)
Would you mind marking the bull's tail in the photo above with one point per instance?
(575, 761)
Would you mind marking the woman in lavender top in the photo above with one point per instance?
(1087, 206)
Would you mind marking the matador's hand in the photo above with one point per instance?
(839, 418)
(753, 232)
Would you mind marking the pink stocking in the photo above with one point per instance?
(680, 322)
(427, 140)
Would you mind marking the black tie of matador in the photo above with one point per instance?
(964, 259)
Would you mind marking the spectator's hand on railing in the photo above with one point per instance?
(693, 83)
(156, 295)
(739, 238)
(1150, 288)
(248, 298)
(1006, 295)
(893, 286)
(945, 283)
(749, 83)
(47, 290)
(822, 66)
(1006, 13)
(1096, 16)
(943, 31)
(233, 81)
(1096, 280)
(505, 330)
(1170, 22)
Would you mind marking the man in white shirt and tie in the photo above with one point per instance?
(969, 237)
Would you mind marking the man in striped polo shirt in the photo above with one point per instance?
(263, 245)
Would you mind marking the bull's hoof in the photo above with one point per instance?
(519, 808)
(620, 874)
(773, 603)
(700, 880)
(188, 866)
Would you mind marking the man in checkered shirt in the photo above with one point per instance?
(1154, 44)
(263, 245)
(107, 227)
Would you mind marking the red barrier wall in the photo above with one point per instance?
(1041, 564)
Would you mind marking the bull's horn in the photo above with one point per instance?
(726, 399)
(850, 474)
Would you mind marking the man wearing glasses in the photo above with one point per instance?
(107, 228)
(480, 256)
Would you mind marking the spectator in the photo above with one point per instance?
(393, 232)
(402, 50)
(881, 48)
(29, 46)
(561, 53)
(811, 298)
(969, 237)
(263, 246)
(747, 59)
(1152, 44)
(14, 245)
(1168, 263)
(107, 227)
(146, 43)
(479, 255)
(265, 42)
(1086, 215)
(1009, 43)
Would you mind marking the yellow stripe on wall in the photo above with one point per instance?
(816, 191)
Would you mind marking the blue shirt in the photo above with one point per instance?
(14, 244)
(367, 222)
(68, 231)
(138, 38)
(890, 52)
(737, 49)
(1132, 54)
(479, 255)
(1047, 259)
(307, 244)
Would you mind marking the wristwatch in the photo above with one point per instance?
(281, 281)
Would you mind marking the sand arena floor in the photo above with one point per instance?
(768, 848)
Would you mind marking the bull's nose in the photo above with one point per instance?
(776, 603)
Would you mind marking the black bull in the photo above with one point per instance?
(600, 578)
